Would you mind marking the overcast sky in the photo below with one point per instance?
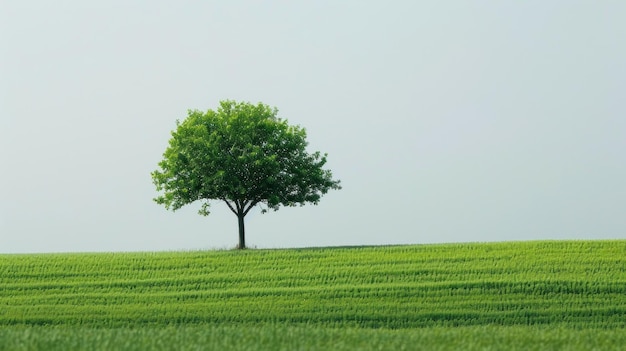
(446, 121)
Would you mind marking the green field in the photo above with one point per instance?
(525, 295)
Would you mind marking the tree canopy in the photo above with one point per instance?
(244, 155)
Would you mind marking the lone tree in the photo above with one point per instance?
(244, 155)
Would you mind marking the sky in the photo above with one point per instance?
(446, 121)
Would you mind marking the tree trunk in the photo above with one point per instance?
(242, 231)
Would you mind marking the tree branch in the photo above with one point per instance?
(230, 206)
(252, 204)
(240, 205)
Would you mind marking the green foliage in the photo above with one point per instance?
(241, 154)
(555, 293)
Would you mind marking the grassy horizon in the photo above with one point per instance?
(563, 290)
(304, 248)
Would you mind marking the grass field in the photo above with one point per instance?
(525, 295)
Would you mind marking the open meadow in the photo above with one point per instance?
(520, 296)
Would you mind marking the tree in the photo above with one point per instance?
(244, 155)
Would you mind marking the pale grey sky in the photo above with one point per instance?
(447, 121)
